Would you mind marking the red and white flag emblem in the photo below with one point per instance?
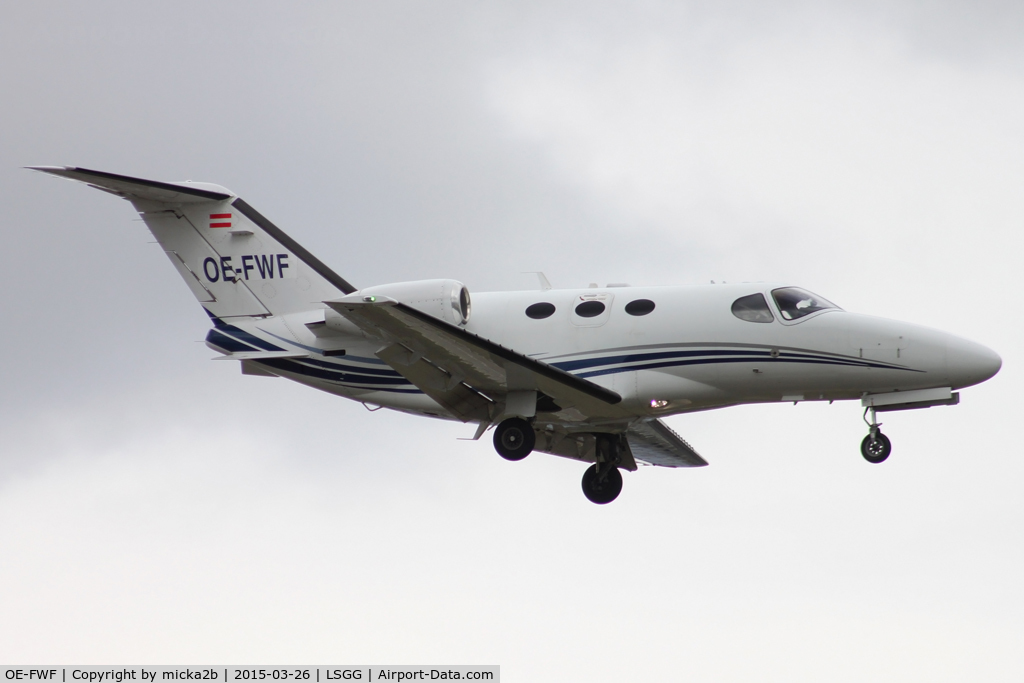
(220, 220)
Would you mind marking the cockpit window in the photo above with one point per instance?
(753, 309)
(796, 303)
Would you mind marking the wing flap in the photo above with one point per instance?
(468, 358)
(450, 392)
(654, 442)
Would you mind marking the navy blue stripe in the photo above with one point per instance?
(752, 355)
(226, 343)
(633, 357)
(707, 361)
(351, 368)
(297, 369)
(857, 362)
(313, 349)
(390, 391)
(247, 337)
(293, 366)
(852, 362)
(217, 322)
(240, 333)
(361, 359)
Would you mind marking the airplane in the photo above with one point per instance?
(586, 374)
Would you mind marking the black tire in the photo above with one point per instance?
(602, 492)
(876, 450)
(514, 439)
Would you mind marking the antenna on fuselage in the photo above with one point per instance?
(544, 284)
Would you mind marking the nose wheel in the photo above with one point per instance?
(876, 446)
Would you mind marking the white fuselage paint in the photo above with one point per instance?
(690, 353)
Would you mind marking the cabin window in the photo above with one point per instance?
(753, 309)
(640, 307)
(796, 303)
(539, 311)
(590, 309)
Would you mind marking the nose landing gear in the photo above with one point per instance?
(876, 446)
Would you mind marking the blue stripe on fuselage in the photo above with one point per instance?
(639, 361)
(348, 379)
(249, 337)
(351, 368)
(228, 344)
(708, 361)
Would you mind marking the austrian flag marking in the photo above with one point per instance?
(220, 220)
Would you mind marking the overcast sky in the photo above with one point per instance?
(159, 508)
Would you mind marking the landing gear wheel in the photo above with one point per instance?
(877, 448)
(602, 489)
(514, 439)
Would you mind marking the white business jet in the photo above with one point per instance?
(582, 373)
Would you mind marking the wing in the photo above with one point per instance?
(656, 443)
(467, 374)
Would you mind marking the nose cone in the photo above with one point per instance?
(970, 363)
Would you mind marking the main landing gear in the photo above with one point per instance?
(602, 483)
(514, 439)
(876, 446)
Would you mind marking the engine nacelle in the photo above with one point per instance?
(445, 299)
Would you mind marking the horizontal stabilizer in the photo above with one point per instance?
(138, 188)
(261, 355)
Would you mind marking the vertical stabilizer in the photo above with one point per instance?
(233, 260)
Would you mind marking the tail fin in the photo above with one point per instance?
(235, 261)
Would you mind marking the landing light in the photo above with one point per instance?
(658, 403)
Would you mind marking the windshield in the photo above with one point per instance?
(795, 303)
